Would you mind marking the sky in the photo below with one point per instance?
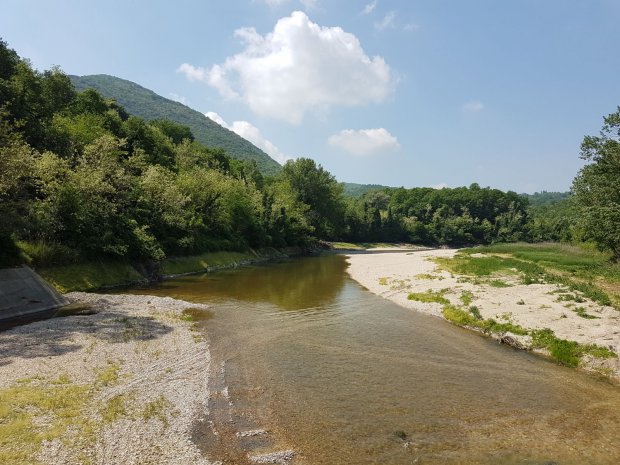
(395, 92)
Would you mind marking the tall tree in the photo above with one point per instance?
(597, 186)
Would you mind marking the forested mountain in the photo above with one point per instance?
(355, 190)
(147, 104)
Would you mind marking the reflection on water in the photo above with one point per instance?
(291, 285)
(345, 377)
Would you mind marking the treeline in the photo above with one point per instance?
(80, 179)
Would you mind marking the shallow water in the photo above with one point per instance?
(342, 376)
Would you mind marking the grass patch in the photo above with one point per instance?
(581, 311)
(467, 297)
(475, 312)
(498, 283)
(430, 296)
(114, 408)
(567, 352)
(108, 376)
(196, 263)
(157, 409)
(428, 276)
(90, 276)
(383, 281)
(62, 406)
(572, 267)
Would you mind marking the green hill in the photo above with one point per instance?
(355, 190)
(147, 104)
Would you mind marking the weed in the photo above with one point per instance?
(475, 312)
(157, 409)
(383, 281)
(108, 376)
(430, 296)
(114, 408)
(567, 352)
(428, 276)
(498, 283)
(520, 302)
(581, 311)
(467, 297)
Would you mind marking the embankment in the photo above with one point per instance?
(96, 275)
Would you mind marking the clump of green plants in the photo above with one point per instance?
(157, 409)
(108, 376)
(520, 302)
(383, 281)
(114, 408)
(430, 296)
(567, 352)
(467, 297)
(582, 312)
(428, 276)
(475, 312)
(498, 283)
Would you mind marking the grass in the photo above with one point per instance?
(581, 270)
(109, 375)
(62, 404)
(383, 281)
(563, 351)
(430, 296)
(467, 297)
(567, 352)
(582, 312)
(196, 263)
(114, 408)
(90, 276)
(157, 409)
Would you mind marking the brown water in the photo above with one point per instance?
(344, 377)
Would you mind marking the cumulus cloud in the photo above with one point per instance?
(298, 67)
(251, 133)
(388, 21)
(472, 106)
(369, 8)
(441, 185)
(364, 141)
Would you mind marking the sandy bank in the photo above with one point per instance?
(135, 371)
(535, 306)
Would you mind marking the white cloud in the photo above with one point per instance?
(387, 21)
(309, 4)
(178, 98)
(441, 185)
(369, 8)
(297, 68)
(472, 106)
(364, 141)
(410, 27)
(274, 3)
(251, 133)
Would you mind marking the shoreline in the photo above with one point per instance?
(127, 382)
(532, 307)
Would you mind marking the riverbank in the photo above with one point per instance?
(97, 275)
(548, 318)
(121, 380)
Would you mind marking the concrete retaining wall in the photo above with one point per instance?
(24, 294)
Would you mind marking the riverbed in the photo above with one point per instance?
(308, 367)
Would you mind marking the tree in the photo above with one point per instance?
(318, 189)
(597, 186)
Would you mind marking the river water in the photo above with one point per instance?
(342, 376)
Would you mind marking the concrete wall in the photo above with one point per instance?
(23, 294)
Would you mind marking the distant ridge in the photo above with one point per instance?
(145, 103)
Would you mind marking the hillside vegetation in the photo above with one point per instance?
(147, 104)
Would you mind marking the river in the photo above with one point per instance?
(342, 376)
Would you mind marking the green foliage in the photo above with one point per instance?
(596, 187)
(567, 352)
(429, 296)
(146, 104)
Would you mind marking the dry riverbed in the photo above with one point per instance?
(122, 385)
(503, 299)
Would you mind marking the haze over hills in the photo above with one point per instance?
(146, 104)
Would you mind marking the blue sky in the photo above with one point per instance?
(411, 93)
